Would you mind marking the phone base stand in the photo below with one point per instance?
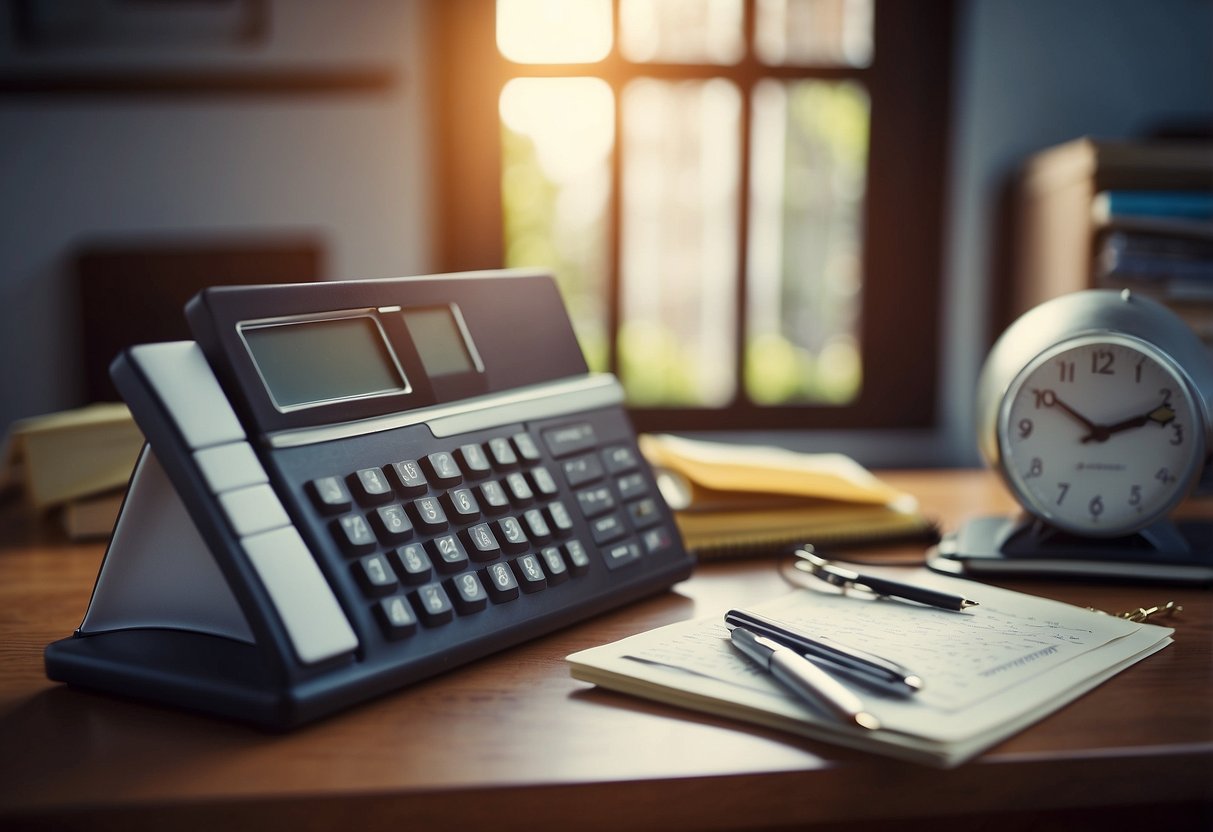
(1170, 552)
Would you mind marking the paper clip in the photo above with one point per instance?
(1167, 610)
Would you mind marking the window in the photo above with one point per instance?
(741, 199)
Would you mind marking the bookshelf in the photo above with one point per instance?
(1116, 214)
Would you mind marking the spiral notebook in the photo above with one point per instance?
(734, 500)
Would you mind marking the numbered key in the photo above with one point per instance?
(535, 526)
(448, 553)
(577, 557)
(482, 545)
(544, 483)
(501, 453)
(493, 499)
(408, 477)
(354, 534)
(396, 617)
(472, 460)
(330, 494)
(443, 470)
(392, 523)
(526, 447)
(374, 575)
(530, 573)
(519, 489)
(501, 583)
(412, 564)
(428, 514)
(553, 564)
(510, 534)
(370, 485)
(468, 593)
(461, 505)
(433, 605)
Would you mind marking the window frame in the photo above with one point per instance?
(908, 83)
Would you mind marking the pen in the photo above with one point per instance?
(816, 565)
(857, 665)
(803, 678)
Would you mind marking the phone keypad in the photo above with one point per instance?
(455, 531)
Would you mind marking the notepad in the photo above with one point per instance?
(988, 672)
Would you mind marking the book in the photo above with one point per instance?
(977, 690)
(1188, 204)
(734, 500)
(76, 453)
(92, 518)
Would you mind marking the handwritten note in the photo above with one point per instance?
(987, 671)
(961, 657)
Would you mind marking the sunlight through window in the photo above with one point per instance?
(554, 31)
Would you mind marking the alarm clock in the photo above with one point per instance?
(1096, 408)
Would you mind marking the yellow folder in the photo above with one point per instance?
(735, 499)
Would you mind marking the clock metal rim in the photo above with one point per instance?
(1093, 337)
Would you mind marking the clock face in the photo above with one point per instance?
(1099, 435)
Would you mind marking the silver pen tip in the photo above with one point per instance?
(865, 720)
(966, 603)
(914, 682)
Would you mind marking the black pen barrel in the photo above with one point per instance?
(922, 595)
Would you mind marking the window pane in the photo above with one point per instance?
(681, 31)
(554, 31)
(677, 343)
(814, 32)
(808, 177)
(557, 139)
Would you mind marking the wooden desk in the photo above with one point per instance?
(514, 743)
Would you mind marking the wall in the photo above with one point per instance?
(352, 166)
(1032, 74)
(347, 166)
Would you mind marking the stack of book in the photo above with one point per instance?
(1159, 243)
(75, 463)
(1099, 214)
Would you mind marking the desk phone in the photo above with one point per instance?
(351, 486)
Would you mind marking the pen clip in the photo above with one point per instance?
(813, 563)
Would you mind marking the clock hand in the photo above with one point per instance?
(1055, 401)
(1163, 415)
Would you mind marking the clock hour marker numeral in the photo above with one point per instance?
(1096, 505)
(1064, 488)
(1067, 370)
(1102, 361)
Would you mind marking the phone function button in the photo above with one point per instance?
(314, 621)
(253, 509)
(619, 458)
(581, 470)
(570, 439)
(234, 465)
